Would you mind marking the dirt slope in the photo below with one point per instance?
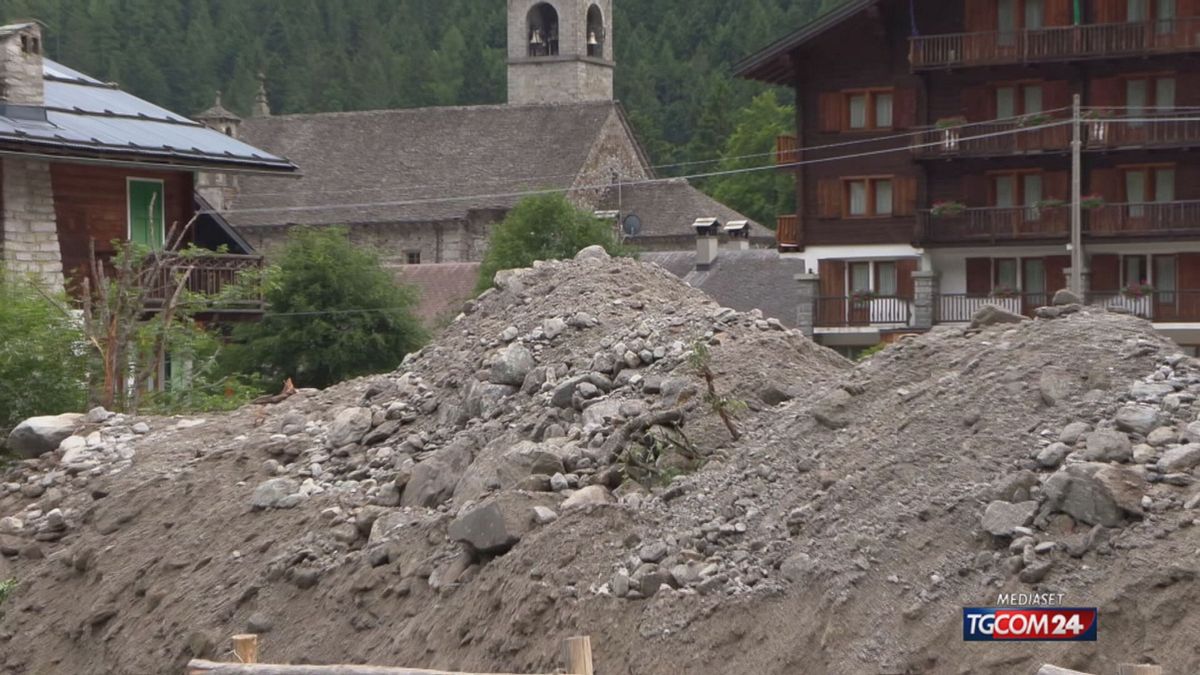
(842, 534)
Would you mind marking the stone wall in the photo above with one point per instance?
(438, 242)
(562, 79)
(30, 242)
(21, 80)
(615, 152)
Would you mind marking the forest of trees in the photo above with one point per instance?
(674, 74)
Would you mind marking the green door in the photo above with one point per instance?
(146, 213)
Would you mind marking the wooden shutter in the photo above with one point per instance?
(979, 104)
(979, 276)
(1056, 272)
(1107, 92)
(1107, 184)
(1106, 272)
(975, 190)
(1056, 94)
(905, 287)
(1189, 8)
(980, 16)
(904, 195)
(1187, 85)
(829, 198)
(1110, 11)
(1056, 185)
(1059, 12)
(830, 110)
(831, 306)
(904, 108)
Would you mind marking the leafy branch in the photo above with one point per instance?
(723, 406)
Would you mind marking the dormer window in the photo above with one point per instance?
(543, 30)
(595, 32)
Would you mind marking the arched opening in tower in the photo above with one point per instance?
(595, 32)
(543, 30)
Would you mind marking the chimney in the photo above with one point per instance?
(22, 82)
(738, 232)
(262, 107)
(707, 242)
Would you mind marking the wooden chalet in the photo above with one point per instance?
(85, 165)
(955, 192)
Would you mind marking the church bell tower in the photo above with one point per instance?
(559, 51)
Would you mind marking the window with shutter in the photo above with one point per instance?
(979, 276)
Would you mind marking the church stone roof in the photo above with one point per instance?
(667, 208)
(416, 165)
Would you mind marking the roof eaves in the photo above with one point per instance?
(815, 28)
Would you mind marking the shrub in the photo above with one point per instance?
(43, 361)
(333, 313)
(544, 227)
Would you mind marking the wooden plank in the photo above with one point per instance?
(202, 667)
(245, 648)
(1055, 670)
(1133, 669)
(577, 656)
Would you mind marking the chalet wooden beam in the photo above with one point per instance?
(201, 667)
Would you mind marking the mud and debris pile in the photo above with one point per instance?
(554, 463)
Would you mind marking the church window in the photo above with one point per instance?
(595, 32)
(543, 30)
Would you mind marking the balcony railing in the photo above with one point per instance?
(786, 150)
(1154, 219)
(216, 276)
(961, 307)
(848, 311)
(1159, 306)
(992, 225)
(1055, 44)
(1029, 135)
(787, 231)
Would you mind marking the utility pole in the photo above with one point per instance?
(1077, 257)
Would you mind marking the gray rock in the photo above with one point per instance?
(991, 315)
(38, 435)
(654, 552)
(1066, 297)
(588, 496)
(433, 481)
(1095, 494)
(833, 411)
(1191, 434)
(619, 584)
(487, 529)
(1144, 454)
(1055, 386)
(388, 526)
(1053, 455)
(349, 427)
(526, 459)
(485, 398)
(1073, 432)
(543, 515)
(1002, 518)
(798, 567)
(269, 494)
(1036, 572)
(141, 428)
(558, 482)
(97, 415)
(651, 583)
(1182, 458)
(592, 253)
(1151, 391)
(509, 334)
(1162, 436)
(1108, 446)
(292, 423)
(511, 366)
(259, 624)
(770, 394)
(1138, 419)
(1015, 488)
(553, 327)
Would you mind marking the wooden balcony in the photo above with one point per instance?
(1065, 43)
(1159, 306)
(994, 225)
(853, 312)
(786, 150)
(1025, 137)
(787, 231)
(229, 282)
(1165, 219)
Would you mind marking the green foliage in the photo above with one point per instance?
(761, 195)
(43, 362)
(725, 407)
(6, 589)
(872, 351)
(334, 313)
(544, 227)
(659, 458)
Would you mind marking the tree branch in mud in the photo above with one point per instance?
(723, 406)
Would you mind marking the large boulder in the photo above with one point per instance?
(1095, 494)
(592, 495)
(1107, 445)
(1065, 297)
(1055, 386)
(1138, 419)
(592, 253)
(349, 427)
(833, 411)
(272, 493)
(527, 459)
(433, 481)
(495, 526)
(1003, 518)
(38, 435)
(1182, 458)
(511, 366)
(991, 315)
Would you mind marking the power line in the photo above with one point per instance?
(653, 181)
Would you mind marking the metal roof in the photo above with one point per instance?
(88, 119)
(768, 65)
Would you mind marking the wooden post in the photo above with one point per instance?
(577, 655)
(245, 647)
(1132, 669)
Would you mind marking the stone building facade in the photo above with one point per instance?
(559, 51)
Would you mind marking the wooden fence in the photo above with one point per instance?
(577, 660)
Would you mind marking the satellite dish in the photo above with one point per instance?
(631, 226)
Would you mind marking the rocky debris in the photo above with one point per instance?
(1066, 297)
(1095, 494)
(1002, 519)
(1107, 445)
(275, 493)
(592, 495)
(991, 315)
(834, 411)
(38, 435)
(1181, 458)
(1138, 419)
(511, 366)
(349, 427)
